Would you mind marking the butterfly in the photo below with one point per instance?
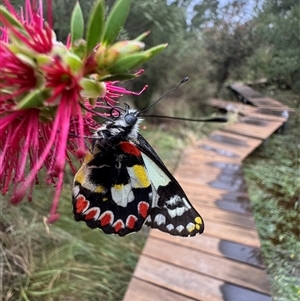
(123, 184)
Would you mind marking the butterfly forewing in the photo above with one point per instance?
(112, 190)
(171, 210)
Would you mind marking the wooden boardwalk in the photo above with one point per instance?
(223, 263)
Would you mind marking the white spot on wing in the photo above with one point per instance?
(190, 227)
(170, 227)
(177, 211)
(179, 228)
(75, 191)
(160, 219)
(122, 196)
(173, 200)
(186, 203)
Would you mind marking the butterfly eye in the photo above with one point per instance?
(130, 119)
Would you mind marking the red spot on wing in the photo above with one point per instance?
(81, 204)
(130, 221)
(129, 148)
(118, 225)
(143, 209)
(91, 214)
(106, 218)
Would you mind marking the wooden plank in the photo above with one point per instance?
(213, 266)
(237, 144)
(222, 216)
(210, 196)
(256, 131)
(244, 109)
(268, 102)
(206, 153)
(178, 279)
(144, 291)
(243, 236)
(231, 106)
(245, 91)
(214, 246)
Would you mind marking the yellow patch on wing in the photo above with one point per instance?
(141, 176)
(99, 189)
(80, 176)
(88, 157)
(198, 220)
(118, 186)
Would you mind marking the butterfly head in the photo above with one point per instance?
(124, 126)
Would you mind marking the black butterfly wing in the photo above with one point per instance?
(171, 210)
(112, 190)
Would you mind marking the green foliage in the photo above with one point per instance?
(205, 13)
(272, 174)
(77, 23)
(63, 261)
(96, 19)
(229, 42)
(279, 30)
(167, 25)
(115, 20)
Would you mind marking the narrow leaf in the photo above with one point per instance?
(150, 53)
(142, 36)
(34, 99)
(5, 14)
(77, 23)
(115, 21)
(125, 64)
(95, 26)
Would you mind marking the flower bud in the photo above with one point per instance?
(118, 50)
(92, 88)
(73, 61)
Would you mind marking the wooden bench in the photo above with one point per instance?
(224, 263)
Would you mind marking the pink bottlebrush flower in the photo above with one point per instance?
(37, 34)
(16, 77)
(42, 124)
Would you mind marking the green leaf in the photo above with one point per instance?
(34, 99)
(128, 62)
(155, 50)
(142, 36)
(7, 15)
(77, 23)
(95, 26)
(125, 64)
(115, 21)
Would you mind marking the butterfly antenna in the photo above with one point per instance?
(209, 119)
(181, 82)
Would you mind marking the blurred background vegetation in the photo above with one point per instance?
(214, 43)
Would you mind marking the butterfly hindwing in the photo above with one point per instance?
(171, 210)
(112, 190)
